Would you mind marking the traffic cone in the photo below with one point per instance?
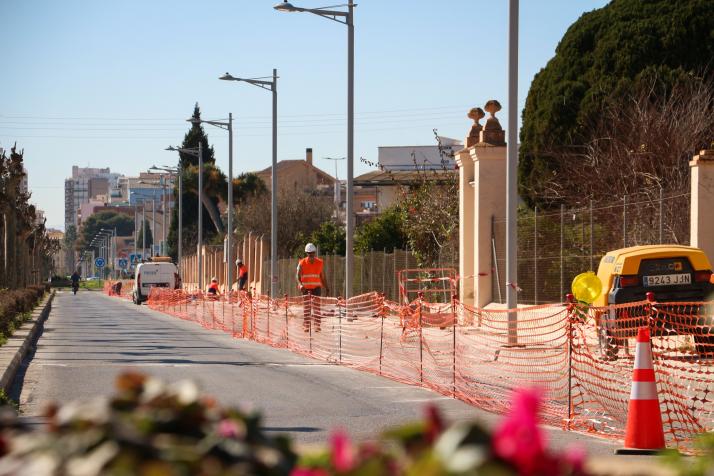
(644, 435)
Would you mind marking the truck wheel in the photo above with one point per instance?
(609, 346)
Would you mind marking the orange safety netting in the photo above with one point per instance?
(603, 348)
(581, 357)
(120, 288)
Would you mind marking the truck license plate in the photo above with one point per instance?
(667, 279)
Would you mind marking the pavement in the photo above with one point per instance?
(90, 338)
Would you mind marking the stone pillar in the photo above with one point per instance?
(489, 201)
(466, 226)
(701, 224)
(482, 188)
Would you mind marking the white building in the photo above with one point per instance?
(425, 157)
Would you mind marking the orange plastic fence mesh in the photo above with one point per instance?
(603, 348)
(120, 288)
(480, 355)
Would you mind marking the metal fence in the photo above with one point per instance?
(555, 247)
(373, 271)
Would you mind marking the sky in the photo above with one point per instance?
(110, 84)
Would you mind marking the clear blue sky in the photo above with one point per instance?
(110, 83)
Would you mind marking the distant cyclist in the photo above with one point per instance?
(75, 281)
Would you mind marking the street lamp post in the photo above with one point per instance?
(178, 173)
(337, 186)
(273, 87)
(162, 183)
(196, 152)
(346, 18)
(511, 174)
(111, 247)
(229, 235)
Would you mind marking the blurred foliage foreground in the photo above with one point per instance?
(151, 428)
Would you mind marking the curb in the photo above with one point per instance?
(14, 351)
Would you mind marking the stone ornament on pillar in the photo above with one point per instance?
(493, 133)
(474, 136)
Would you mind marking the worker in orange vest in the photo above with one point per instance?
(213, 291)
(242, 274)
(311, 280)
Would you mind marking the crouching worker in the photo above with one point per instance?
(213, 291)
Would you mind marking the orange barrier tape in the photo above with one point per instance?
(581, 357)
(120, 288)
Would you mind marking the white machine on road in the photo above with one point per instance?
(159, 273)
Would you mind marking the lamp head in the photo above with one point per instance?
(193, 120)
(228, 77)
(171, 148)
(285, 7)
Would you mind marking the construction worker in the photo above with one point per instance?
(213, 291)
(311, 280)
(242, 274)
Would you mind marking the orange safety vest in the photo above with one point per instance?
(242, 271)
(310, 273)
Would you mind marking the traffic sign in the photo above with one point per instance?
(123, 263)
(99, 262)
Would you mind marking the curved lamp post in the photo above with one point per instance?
(273, 87)
(229, 236)
(346, 18)
(196, 152)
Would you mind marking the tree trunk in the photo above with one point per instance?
(212, 210)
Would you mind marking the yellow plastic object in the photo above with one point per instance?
(586, 287)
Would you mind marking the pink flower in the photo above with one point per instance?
(518, 439)
(228, 429)
(343, 456)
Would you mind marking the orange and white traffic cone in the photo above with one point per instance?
(644, 433)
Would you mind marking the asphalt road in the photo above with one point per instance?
(89, 338)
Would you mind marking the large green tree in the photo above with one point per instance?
(602, 59)
(383, 233)
(149, 236)
(214, 183)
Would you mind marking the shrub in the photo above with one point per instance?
(15, 302)
(152, 428)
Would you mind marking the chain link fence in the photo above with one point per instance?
(554, 247)
(373, 271)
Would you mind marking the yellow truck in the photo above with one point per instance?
(673, 273)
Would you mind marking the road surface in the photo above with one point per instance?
(89, 338)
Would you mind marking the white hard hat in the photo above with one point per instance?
(310, 248)
(214, 279)
(239, 261)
